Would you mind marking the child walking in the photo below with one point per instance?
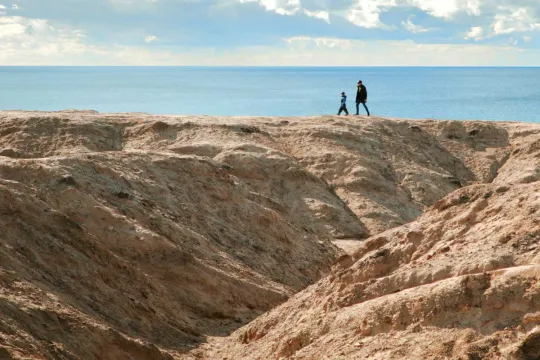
(343, 104)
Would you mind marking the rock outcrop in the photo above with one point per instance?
(460, 282)
(155, 237)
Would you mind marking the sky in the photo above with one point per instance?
(271, 32)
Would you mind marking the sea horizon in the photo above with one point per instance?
(276, 66)
(419, 92)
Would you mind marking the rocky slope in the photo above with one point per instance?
(461, 282)
(139, 236)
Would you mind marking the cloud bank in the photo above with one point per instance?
(270, 32)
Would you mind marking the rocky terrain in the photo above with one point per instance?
(132, 236)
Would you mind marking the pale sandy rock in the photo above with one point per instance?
(154, 237)
(386, 172)
(462, 282)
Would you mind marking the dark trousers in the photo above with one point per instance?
(343, 108)
(358, 107)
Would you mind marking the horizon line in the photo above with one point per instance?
(282, 66)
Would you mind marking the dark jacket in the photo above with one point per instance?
(343, 100)
(361, 95)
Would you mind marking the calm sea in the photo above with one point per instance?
(441, 93)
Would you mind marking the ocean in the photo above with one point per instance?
(437, 93)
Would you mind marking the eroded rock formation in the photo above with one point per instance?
(153, 237)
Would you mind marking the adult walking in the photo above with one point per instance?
(361, 98)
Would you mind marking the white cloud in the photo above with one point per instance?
(53, 48)
(366, 13)
(412, 27)
(438, 8)
(24, 38)
(512, 19)
(131, 2)
(475, 33)
(282, 7)
(472, 7)
(322, 42)
(319, 52)
(323, 15)
(11, 28)
(447, 8)
(150, 38)
(507, 15)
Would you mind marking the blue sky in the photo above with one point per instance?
(270, 32)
